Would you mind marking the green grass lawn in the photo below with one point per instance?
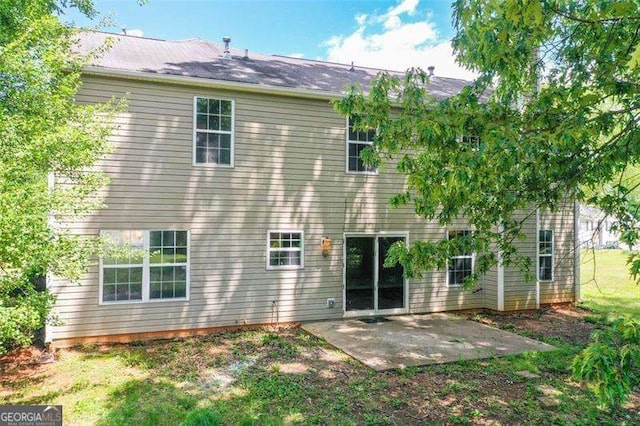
(265, 377)
(606, 286)
(273, 377)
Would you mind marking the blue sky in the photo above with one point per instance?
(391, 34)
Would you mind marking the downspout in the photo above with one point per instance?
(576, 249)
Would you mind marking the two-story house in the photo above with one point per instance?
(234, 171)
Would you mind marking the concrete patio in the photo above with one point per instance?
(413, 340)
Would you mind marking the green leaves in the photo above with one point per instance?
(611, 363)
(43, 132)
(555, 109)
(454, 153)
(635, 59)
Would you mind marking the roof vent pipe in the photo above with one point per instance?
(431, 69)
(227, 53)
(352, 67)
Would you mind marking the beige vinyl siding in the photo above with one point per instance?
(518, 292)
(289, 173)
(490, 288)
(489, 284)
(432, 294)
(521, 293)
(561, 289)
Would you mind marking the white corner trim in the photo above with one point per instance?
(500, 289)
(49, 280)
(576, 250)
(538, 258)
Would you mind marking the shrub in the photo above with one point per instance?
(23, 311)
(611, 363)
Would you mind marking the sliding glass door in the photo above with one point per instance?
(369, 286)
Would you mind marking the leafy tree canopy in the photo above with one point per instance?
(43, 133)
(555, 108)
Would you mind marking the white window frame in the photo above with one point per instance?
(219, 132)
(551, 255)
(146, 270)
(269, 249)
(349, 142)
(472, 256)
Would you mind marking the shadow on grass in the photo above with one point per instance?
(42, 399)
(147, 402)
(263, 398)
(275, 389)
(179, 385)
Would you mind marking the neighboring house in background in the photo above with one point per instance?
(234, 171)
(595, 229)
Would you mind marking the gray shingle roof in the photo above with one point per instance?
(199, 58)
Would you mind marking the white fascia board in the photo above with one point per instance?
(210, 83)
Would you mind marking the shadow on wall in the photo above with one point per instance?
(289, 173)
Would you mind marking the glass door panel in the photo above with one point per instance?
(360, 273)
(390, 280)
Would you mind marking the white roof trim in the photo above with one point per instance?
(206, 82)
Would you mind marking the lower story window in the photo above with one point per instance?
(153, 265)
(285, 249)
(122, 284)
(122, 275)
(459, 266)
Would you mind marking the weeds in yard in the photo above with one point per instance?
(202, 417)
(175, 382)
(408, 371)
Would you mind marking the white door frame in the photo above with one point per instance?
(374, 311)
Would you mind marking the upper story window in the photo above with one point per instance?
(285, 249)
(358, 141)
(156, 267)
(471, 140)
(545, 255)
(213, 131)
(459, 266)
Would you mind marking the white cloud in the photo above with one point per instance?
(391, 19)
(296, 55)
(402, 37)
(405, 6)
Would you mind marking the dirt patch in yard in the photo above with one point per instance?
(280, 376)
(23, 366)
(564, 322)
